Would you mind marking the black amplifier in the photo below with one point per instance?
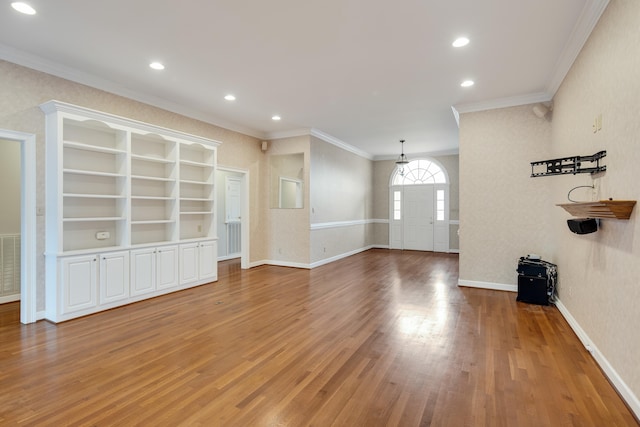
(536, 281)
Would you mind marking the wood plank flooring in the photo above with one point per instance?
(382, 338)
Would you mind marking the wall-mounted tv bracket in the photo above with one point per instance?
(568, 165)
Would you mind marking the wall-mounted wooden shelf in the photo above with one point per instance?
(617, 209)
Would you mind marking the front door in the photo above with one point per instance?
(417, 227)
(411, 224)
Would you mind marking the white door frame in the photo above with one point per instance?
(244, 220)
(438, 244)
(28, 224)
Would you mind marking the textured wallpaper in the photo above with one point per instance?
(600, 272)
(288, 229)
(504, 214)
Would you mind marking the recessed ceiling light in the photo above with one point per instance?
(23, 8)
(156, 66)
(467, 83)
(460, 41)
(230, 97)
(276, 118)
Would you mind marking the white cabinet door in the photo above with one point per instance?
(79, 283)
(167, 267)
(143, 271)
(207, 260)
(188, 263)
(198, 262)
(114, 277)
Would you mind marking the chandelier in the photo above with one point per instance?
(402, 159)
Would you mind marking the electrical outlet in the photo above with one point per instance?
(597, 123)
(102, 235)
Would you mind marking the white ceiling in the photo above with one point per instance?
(364, 72)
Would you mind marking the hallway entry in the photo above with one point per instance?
(419, 207)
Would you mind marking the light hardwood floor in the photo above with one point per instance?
(383, 338)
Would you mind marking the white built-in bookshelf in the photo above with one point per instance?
(124, 201)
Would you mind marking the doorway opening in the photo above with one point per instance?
(27, 244)
(419, 207)
(232, 199)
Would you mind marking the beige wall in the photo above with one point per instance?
(24, 90)
(600, 272)
(288, 229)
(506, 214)
(341, 184)
(10, 187)
(341, 190)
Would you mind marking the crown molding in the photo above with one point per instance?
(320, 135)
(429, 154)
(341, 144)
(53, 68)
(587, 21)
(493, 104)
(292, 133)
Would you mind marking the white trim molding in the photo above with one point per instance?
(623, 389)
(339, 257)
(279, 264)
(511, 101)
(56, 69)
(591, 13)
(320, 135)
(9, 298)
(28, 225)
(317, 263)
(588, 19)
(338, 224)
(488, 285)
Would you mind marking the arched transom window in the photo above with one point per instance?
(420, 172)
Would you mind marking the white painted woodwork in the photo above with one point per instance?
(78, 283)
(154, 269)
(143, 271)
(167, 267)
(198, 263)
(207, 261)
(188, 263)
(114, 277)
(418, 216)
(126, 194)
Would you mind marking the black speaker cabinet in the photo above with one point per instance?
(582, 225)
(533, 290)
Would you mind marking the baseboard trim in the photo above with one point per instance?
(10, 298)
(317, 263)
(488, 285)
(228, 257)
(623, 389)
(339, 257)
(279, 264)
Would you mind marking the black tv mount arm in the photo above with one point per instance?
(568, 165)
